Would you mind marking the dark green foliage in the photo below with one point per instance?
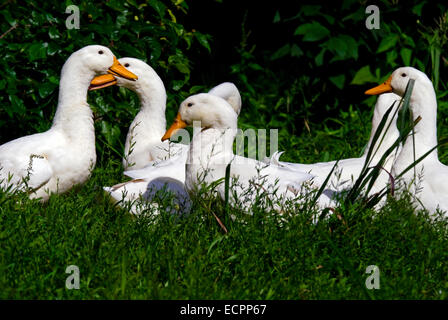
(313, 81)
(38, 44)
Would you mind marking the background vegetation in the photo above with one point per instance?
(301, 68)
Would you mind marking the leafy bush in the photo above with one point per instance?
(311, 83)
(35, 44)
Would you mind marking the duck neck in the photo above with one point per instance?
(387, 137)
(211, 144)
(150, 122)
(73, 115)
(423, 105)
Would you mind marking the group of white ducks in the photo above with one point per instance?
(64, 156)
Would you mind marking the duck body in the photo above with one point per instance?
(211, 150)
(347, 171)
(144, 195)
(56, 160)
(143, 146)
(426, 182)
(151, 163)
(210, 153)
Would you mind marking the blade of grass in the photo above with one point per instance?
(226, 190)
(322, 187)
(355, 190)
(368, 174)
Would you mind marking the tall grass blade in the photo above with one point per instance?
(369, 175)
(399, 140)
(404, 110)
(376, 170)
(226, 188)
(322, 187)
(357, 187)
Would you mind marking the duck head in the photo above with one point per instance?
(398, 81)
(101, 60)
(210, 110)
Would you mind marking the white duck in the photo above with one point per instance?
(158, 161)
(428, 182)
(212, 149)
(143, 146)
(348, 170)
(56, 160)
(174, 167)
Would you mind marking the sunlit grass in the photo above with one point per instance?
(262, 256)
(121, 256)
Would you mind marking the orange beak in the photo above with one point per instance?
(118, 70)
(106, 80)
(177, 124)
(382, 88)
(102, 81)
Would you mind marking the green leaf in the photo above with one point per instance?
(52, 48)
(319, 60)
(122, 19)
(180, 62)
(405, 54)
(46, 89)
(54, 80)
(337, 46)
(364, 76)
(391, 56)
(296, 51)
(387, 43)
(408, 41)
(312, 31)
(115, 4)
(417, 9)
(159, 7)
(155, 49)
(203, 40)
(8, 17)
(17, 107)
(255, 66)
(357, 16)
(276, 17)
(37, 51)
(343, 47)
(110, 132)
(329, 18)
(310, 10)
(280, 53)
(338, 80)
(133, 3)
(182, 67)
(196, 89)
(177, 84)
(53, 33)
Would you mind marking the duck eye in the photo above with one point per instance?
(189, 104)
(100, 52)
(126, 65)
(403, 75)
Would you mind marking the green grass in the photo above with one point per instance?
(123, 257)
